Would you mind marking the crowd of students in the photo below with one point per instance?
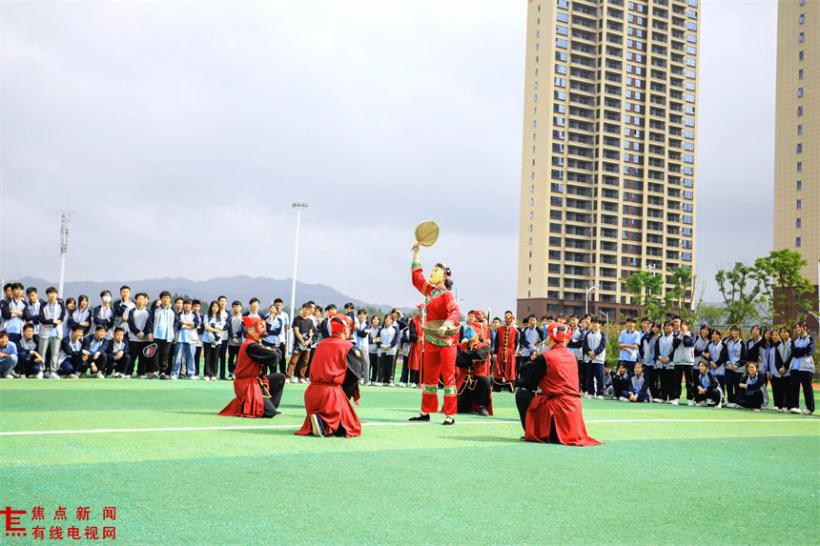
(169, 338)
(657, 361)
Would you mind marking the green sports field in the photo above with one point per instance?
(178, 473)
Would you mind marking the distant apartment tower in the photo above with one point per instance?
(797, 135)
(608, 165)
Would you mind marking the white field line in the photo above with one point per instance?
(376, 424)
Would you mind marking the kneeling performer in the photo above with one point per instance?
(256, 394)
(334, 379)
(473, 375)
(548, 396)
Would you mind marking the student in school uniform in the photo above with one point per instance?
(716, 356)
(70, 305)
(13, 313)
(29, 360)
(802, 368)
(619, 381)
(575, 344)
(8, 356)
(31, 313)
(683, 360)
(373, 345)
(51, 317)
(594, 357)
(119, 360)
(647, 356)
(664, 366)
(638, 386)
(196, 337)
(529, 339)
(140, 325)
(281, 324)
(389, 337)
(750, 388)
(72, 355)
(735, 363)
(212, 327)
(103, 315)
(629, 342)
(95, 347)
(81, 315)
(186, 335)
(235, 338)
(224, 315)
(755, 352)
(122, 307)
(707, 388)
(165, 324)
(304, 334)
(780, 369)
(361, 340)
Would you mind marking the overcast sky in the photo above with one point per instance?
(180, 133)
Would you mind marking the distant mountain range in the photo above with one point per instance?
(239, 287)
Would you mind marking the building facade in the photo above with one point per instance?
(608, 164)
(797, 136)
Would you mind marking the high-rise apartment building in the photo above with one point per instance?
(797, 134)
(608, 165)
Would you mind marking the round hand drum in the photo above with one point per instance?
(427, 233)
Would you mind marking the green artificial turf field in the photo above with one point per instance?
(666, 474)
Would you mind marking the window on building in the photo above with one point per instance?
(797, 242)
(799, 204)
(800, 55)
(800, 74)
(800, 110)
(800, 166)
(799, 185)
(798, 223)
(799, 128)
(799, 92)
(801, 37)
(799, 147)
(802, 18)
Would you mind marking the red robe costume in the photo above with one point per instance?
(325, 396)
(559, 402)
(414, 358)
(507, 342)
(248, 379)
(439, 355)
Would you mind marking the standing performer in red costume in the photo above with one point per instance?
(553, 413)
(334, 379)
(256, 395)
(416, 354)
(506, 340)
(440, 348)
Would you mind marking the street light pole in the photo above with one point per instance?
(65, 216)
(589, 291)
(298, 207)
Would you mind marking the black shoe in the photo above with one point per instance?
(449, 421)
(276, 412)
(482, 411)
(420, 417)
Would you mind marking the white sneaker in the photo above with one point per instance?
(756, 410)
(193, 377)
(719, 405)
(599, 397)
(796, 411)
(8, 376)
(776, 409)
(690, 403)
(375, 384)
(413, 386)
(674, 402)
(39, 375)
(74, 376)
(100, 375)
(807, 412)
(55, 376)
(657, 401)
(402, 384)
(623, 399)
(143, 376)
(123, 376)
(174, 377)
(700, 404)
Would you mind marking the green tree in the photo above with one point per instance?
(781, 279)
(645, 288)
(676, 295)
(740, 288)
(710, 314)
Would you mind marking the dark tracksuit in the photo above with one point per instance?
(712, 388)
(752, 396)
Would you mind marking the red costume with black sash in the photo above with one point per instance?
(439, 354)
(558, 404)
(472, 377)
(325, 396)
(250, 383)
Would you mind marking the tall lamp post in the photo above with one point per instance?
(588, 291)
(65, 216)
(298, 207)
